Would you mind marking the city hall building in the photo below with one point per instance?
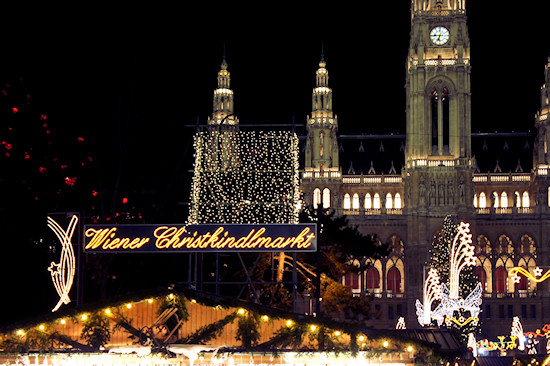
(401, 187)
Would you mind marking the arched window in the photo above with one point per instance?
(475, 201)
(504, 200)
(495, 200)
(316, 198)
(355, 203)
(389, 201)
(397, 201)
(440, 119)
(376, 201)
(368, 201)
(352, 280)
(482, 200)
(482, 277)
(393, 280)
(525, 199)
(518, 199)
(347, 202)
(326, 198)
(373, 279)
(522, 285)
(501, 279)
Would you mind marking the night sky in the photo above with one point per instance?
(127, 81)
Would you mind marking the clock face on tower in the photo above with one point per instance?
(439, 35)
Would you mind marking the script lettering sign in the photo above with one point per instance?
(173, 238)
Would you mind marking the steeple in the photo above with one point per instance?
(322, 145)
(223, 98)
(542, 122)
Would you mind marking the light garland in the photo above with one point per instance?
(462, 255)
(245, 177)
(63, 272)
(401, 323)
(537, 277)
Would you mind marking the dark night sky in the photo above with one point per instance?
(139, 75)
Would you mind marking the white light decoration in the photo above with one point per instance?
(517, 331)
(461, 255)
(245, 177)
(432, 291)
(63, 272)
(401, 323)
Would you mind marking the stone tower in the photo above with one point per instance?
(439, 169)
(321, 153)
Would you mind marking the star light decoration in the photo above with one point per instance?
(538, 277)
(63, 272)
(517, 331)
(245, 177)
(461, 255)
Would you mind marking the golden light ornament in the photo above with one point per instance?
(63, 272)
(538, 277)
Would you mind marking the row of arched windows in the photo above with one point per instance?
(372, 201)
(501, 200)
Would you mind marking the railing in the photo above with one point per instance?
(322, 175)
(502, 178)
(373, 211)
(376, 179)
(505, 210)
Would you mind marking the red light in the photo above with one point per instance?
(94, 193)
(42, 170)
(80, 139)
(125, 200)
(15, 110)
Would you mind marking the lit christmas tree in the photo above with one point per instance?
(440, 259)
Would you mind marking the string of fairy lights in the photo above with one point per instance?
(245, 177)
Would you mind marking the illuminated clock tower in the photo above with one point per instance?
(438, 174)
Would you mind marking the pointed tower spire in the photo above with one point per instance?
(223, 112)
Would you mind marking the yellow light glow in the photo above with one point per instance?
(128, 306)
(171, 296)
(20, 332)
(361, 338)
(289, 323)
(41, 327)
(265, 318)
(410, 349)
(241, 311)
(84, 317)
(62, 273)
(108, 311)
(386, 344)
(313, 327)
(150, 301)
(63, 321)
(193, 301)
(337, 333)
(514, 272)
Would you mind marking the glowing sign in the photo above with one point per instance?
(63, 272)
(200, 238)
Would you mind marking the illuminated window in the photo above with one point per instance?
(522, 285)
(355, 202)
(373, 279)
(326, 198)
(482, 200)
(504, 200)
(495, 200)
(376, 201)
(368, 202)
(475, 200)
(518, 199)
(347, 201)
(394, 280)
(525, 199)
(316, 198)
(501, 277)
(352, 280)
(482, 277)
(397, 201)
(389, 201)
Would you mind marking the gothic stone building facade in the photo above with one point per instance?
(440, 170)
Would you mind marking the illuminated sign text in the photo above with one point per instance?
(200, 238)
